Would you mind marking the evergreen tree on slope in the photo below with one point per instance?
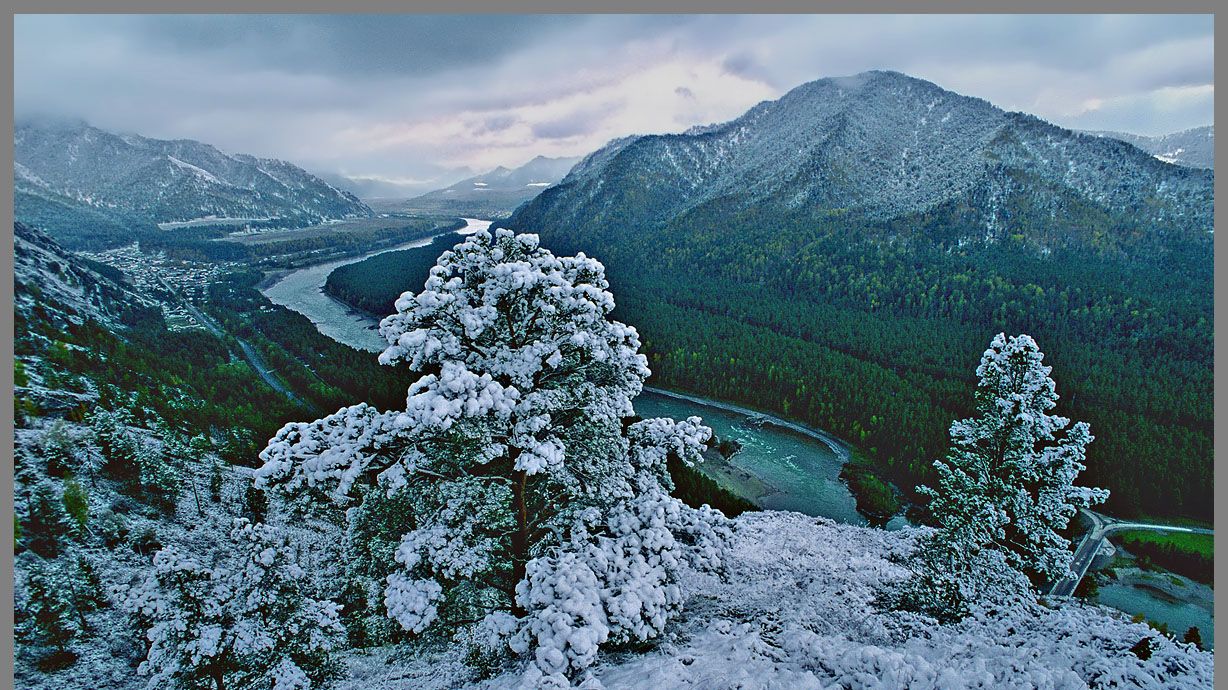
(540, 511)
(243, 622)
(1007, 485)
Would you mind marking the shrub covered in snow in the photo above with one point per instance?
(538, 508)
(238, 618)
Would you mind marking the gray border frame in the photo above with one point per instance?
(541, 7)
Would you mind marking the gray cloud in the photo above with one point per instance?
(421, 97)
(562, 129)
(348, 46)
(498, 123)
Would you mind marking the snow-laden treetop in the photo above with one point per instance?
(515, 328)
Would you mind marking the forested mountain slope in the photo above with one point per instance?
(838, 255)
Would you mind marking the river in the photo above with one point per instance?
(800, 470)
(303, 291)
(1164, 597)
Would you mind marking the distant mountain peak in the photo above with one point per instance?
(880, 146)
(71, 171)
(497, 192)
(1192, 148)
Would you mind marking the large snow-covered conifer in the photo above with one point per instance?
(1007, 485)
(541, 516)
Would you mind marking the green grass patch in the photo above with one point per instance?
(876, 498)
(1191, 555)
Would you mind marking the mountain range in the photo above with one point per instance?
(1193, 148)
(80, 183)
(886, 150)
(496, 193)
(841, 255)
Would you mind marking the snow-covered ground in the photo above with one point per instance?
(797, 609)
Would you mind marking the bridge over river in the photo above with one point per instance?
(1089, 546)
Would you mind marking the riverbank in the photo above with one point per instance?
(1168, 601)
(838, 446)
(733, 479)
(877, 498)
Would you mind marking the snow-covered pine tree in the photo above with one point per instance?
(1007, 484)
(540, 508)
(47, 523)
(243, 621)
(59, 450)
(52, 616)
(114, 441)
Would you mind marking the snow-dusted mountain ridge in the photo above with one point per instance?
(132, 180)
(1193, 148)
(497, 192)
(879, 147)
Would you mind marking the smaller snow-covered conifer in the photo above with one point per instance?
(238, 618)
(52, 616)
(47, 522)
(1007, 484)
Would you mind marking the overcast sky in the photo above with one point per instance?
(425, 99)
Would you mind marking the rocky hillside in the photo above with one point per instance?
(74, 289)
(1193, 148)
(885, 150)
(76, 181)
(496, 193)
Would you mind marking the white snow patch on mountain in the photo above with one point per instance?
(199, 172)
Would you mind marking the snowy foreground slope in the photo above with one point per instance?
(797, 609)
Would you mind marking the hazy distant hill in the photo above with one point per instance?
(80, 182)
(1193, 148)
(878, 148)
(377, 192)
(496, 193)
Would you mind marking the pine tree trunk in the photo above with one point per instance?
(520, 538)
(199, 511)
